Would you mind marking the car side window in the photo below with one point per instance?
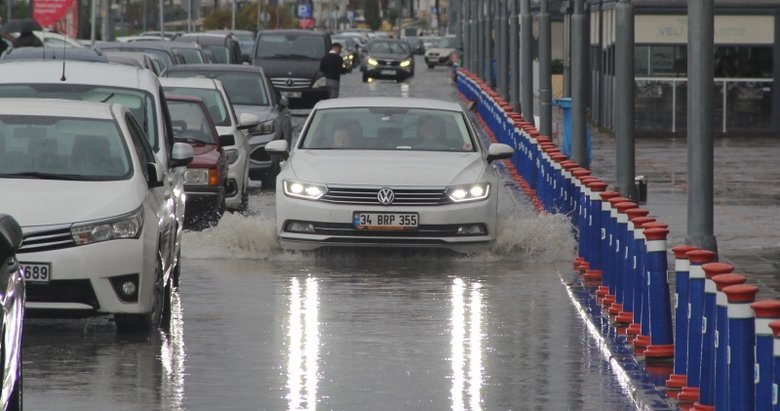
(140, 144)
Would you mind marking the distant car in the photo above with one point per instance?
(133, 39)
(54, 53)
(416, 44)
(223, 46)
(430, 42)
(398, 172)
(291, 60)
(206, 177)
(96, 257)
(12, 298)
(231, 129)
(137, 59)
(246, 39)
(443, 54)
(350, 51)
(250, 92)
(169, 52)
(388, 58)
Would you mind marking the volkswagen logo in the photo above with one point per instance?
(385, 196)
(289, 82)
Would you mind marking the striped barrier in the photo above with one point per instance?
(723, 345)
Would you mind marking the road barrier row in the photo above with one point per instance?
(720, 346)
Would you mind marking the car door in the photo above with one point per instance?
(158, 198)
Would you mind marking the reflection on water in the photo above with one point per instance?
(466, 377)
(404, 89)
(173, 356)
(303, 345)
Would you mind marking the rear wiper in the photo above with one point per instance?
(44, 176)
(294, 56)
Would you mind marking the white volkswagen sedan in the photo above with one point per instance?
(91, 198)
(399, 172)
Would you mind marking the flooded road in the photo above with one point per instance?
(256, 328)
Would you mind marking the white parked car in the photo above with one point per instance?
(388, 172)
(443, 54)
(228, 124)
(136, 88)
(99, 250)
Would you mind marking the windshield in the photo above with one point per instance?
(388, 128)
(221, 53)
(386, 47)
(190, 56)
(62, 148)
(190, 123)
(241, 88)
(140, 103)
(291, 46)
(211, 98)
(447, 43)
(163, 57)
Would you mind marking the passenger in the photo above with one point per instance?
(342, 137)
(430, 132)
(26, 37)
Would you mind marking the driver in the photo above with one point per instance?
(430, 130)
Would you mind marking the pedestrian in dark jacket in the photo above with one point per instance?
(332, 65)
(26, 37)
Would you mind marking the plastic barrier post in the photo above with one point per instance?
(775, 326)
(741, 355)
(765, 312)
(678, 379)
(634, 328)
(643, 339)
(696, 275)
(722, 336)
(593, 247)
(662, 341)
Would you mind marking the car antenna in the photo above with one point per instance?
(64, 50)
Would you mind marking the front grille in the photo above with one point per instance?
(46, 241)
(434, 55)
(429, 196)
(63, 291)
(427, 230)
(389, 63)
(259, 154)
(282, 82)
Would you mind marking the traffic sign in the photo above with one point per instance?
(304, 11)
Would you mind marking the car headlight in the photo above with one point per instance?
(372, 62)
(471, 192)
(406, 63)
(124, 226)
(320, 82)
(266, 127)
(231, 156)
(303, 190)
(201, 176)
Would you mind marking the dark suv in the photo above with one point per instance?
(291, 60)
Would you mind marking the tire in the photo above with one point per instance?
(365, 77)
(147, 322)
(430, 66)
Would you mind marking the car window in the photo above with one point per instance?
(141, 146)
(291, 46)
(62, 148)
(190, 122)
(140, 103)
(447, 43)
(211, 97)
(221, 53)
(190, 56)
(384, 47)
(388, 128)
(242, 88)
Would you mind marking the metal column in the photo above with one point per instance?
(700, 113)
(579, 73)
(545, 74)
(526, 61)
(514, 60)
(624, 99)
(487, 62)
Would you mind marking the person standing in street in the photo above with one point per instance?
(26, 37)
(332, 65)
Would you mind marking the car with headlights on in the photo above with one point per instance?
(399, 172)
(250, 92)
(231, 129)
(92, 200)
(350, 51)
(205, 180)
(389, 59)
(443, 54)
(12, 297)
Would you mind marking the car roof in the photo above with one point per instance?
(205, 38)
(54, 53)
(189, 82)
(243, 68)
(77, 72)
(294, 31)
(406, 102)
(56, 107)
(157, 44)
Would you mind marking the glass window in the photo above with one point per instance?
(211, 97)
(241, 88)
(191, 56)
(221, 53)
(291, 46)
(62, 148)
(388, 128)
(190, 122)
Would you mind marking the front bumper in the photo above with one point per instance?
(304, 97)
(438, 225)
(389, 71)
(203, 199)
(438, 60)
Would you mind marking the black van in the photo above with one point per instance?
(291, 60)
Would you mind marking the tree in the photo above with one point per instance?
(371, 10)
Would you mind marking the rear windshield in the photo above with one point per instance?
(190, 56)
(211, 97)
(242, 88)
(386, 47)
(62, 148)
(190, 123)
(291, 46)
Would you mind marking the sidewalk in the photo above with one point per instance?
(746, 191)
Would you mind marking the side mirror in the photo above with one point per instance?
(10, 236)
(155, 175)
(283, 101)
(227, 140)
(278, 147)
(246, 121)
(181, 155)
(499, 151)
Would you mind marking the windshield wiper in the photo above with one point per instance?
(44, 176)
(292, 56)
(190, 140)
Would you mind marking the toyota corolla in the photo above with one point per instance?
(397, 172)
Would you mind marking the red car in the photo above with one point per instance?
(206, 176)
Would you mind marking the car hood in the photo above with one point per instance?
(284, 68)
(389, 56)
(204, 156)
(263, 113)
(76, 201)
(392, 168)
(440, 51)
